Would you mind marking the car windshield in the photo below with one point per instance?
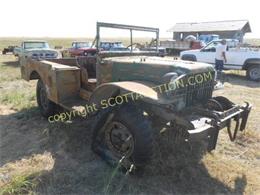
(214, 44)
(83, 44)
(32, 45)
(211, 45)
(118, 44)
(109, 45)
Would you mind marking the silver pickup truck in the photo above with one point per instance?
(36, 49)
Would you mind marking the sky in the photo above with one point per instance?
(77, 18)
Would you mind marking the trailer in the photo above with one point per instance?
(174, 47)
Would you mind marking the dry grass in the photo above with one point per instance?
(22, 176)
(38, 157)
(5, 42)
(66, 42)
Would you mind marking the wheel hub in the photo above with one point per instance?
(119, 139)
(255, 73)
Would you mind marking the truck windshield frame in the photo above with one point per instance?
(131, 28)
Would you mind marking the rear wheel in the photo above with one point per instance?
(253, 72)
(47, 107)
(128, 135)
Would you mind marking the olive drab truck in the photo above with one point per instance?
(131, 90)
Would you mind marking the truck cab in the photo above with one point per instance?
(81, 48)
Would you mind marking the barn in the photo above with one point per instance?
(229, 29)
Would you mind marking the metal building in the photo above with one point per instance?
(229, 29)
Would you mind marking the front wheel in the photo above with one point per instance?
(128, 134)
(47, 107)
(253, 73)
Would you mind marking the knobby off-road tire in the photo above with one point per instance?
(253, 73)
(128, 127)
(46, 106)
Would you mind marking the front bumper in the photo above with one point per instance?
(205, 121)
(208, 123)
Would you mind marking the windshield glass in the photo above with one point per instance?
(83, 44)
(211, 45)
(109, 45)
(32, 45)
(118, 44)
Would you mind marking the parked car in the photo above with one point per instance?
(36, 49)
(113, 46)
(79, 48)
(238, 58)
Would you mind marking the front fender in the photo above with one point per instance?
(189, 57)
(134, 90)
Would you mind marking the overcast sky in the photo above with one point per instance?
(77, 18)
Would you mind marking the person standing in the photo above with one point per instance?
(220, 58)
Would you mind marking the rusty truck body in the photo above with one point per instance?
(129, 92)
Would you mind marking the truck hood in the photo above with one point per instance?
(87, 49)
(45, 53)
(153, 68)
(40, 50)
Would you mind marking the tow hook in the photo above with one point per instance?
(232, 136)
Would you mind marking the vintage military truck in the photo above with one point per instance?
(128, 92)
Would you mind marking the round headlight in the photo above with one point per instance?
(170, 77)
(173, 78)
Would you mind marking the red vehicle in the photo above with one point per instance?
(197, 44)
(80, 48)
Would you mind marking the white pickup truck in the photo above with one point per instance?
(237, 58)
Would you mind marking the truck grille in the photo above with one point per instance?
(200, 91)
(186, 92)
(43, 55)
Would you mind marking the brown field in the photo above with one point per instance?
(65, 42)
(37, 157)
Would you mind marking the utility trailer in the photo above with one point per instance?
(174, 47)
(127, 93)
